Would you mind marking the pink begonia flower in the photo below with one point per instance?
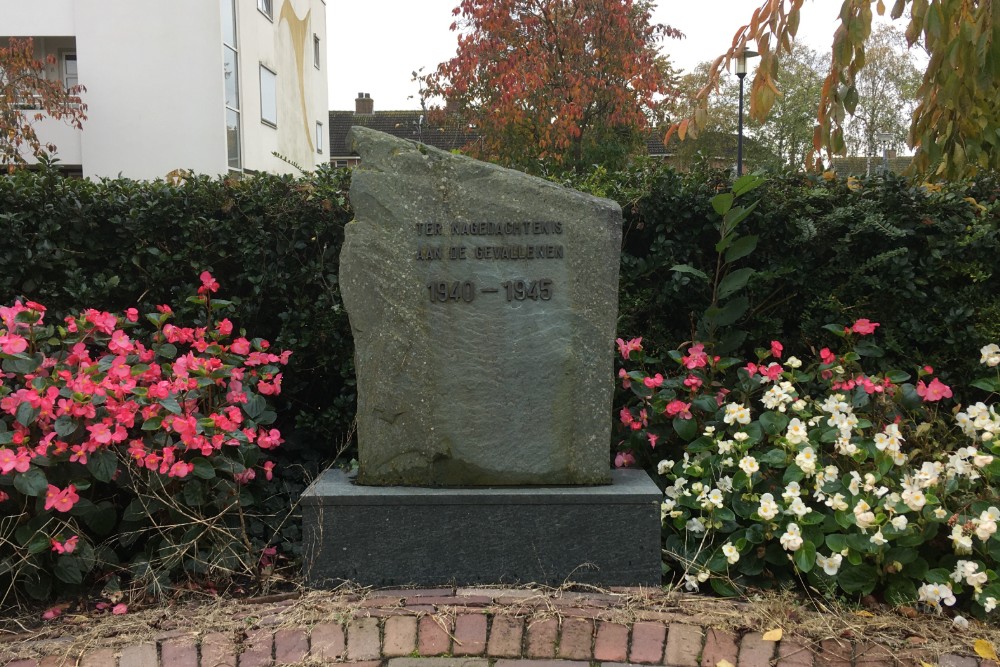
(624, 460)
(776, 349)
(626, 381)
(120, 343)
(772, 372)
(696, 357)
(827, 357)
(678, 409)
(692, 382)
(627, 348)
(268, 470)
(225, 327)
(864, 327)
(626, 416)
(132, 315)
(240, 346)
(119, 609)
(51, 613)
(67, 547)
(751, 369)
(651, 382)
(935, 391)
(652, 437)
(62, 500)
(13, 344)
(208, 283)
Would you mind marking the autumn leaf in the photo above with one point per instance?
(772, 635)
(984, 649)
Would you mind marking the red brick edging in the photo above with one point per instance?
(495, 628)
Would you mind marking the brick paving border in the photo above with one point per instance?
(493, 627)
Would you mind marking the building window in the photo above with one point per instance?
(268, 97)
(265, 7)
(319, 137)
(316, 59)
(70, 76)
(231, 86)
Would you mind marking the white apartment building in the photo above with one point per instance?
(212, 86)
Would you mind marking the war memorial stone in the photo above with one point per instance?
(483, 304)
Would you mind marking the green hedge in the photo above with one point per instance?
(273, 242)
(921, 261)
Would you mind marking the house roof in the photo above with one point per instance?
(403, 124)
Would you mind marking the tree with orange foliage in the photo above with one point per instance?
(555, 84)
(26, 97)
(956, 125)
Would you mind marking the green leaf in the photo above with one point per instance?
(171, 404)
(64, 426)
(192, 493)
(687, 429)
(897, 377)
(793, 473)
(67, 569)
(987, 384)
(723, 587)
(203, 468)
(734, 282)
(774, 457)
(747, 183)
(900, 590)
(102, 519)
(858, 579)
(867, 349)
(166, 350)
(836, 542)
(25, 414)
(152, 423)
(685, 268)
(741, 247)
(38, 585)
(254, 406)
(32, 482)
(773, 423)
(102, 464)
(805, 557)
(728, 314)
(722, 202)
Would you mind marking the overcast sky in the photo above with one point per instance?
(375, 45)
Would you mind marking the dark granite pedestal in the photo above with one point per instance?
(392, 535)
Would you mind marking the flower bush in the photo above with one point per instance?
(128, 447)
(779, 472)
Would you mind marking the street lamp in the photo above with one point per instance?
(741, 72)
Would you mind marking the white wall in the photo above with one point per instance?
(154, 88)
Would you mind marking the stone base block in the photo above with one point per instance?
(395, 536)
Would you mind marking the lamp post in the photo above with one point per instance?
(741, 72)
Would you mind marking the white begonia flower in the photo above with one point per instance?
(709, 430)
(989, 604)
(691, 583)
(837, 503)
(731, 553)
(768, 508)
(845, 447)
(830, 564)
(854, 486)
(795, 362)
(799, 405)
(736, 414)
(666, 507)
(791, 540)
(878, 539)
(913, 498)
(725, 484)
(960, 622)
(793, 490)
(899, 522)
(778, 396)
(798, 508)
(936, 594)
(741, 436)
(664, 467)
(991, 355)
(697, 487)
(695, 525)
(725, 446)
(985, 529)
(806, 461)
(940, 513)
(961, 543)
(727, 462)
(797, 432)
(716, 498)
(749, 465)
(703, 576)
(991, 513)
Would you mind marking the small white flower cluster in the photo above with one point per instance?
(779, 396)
(936, 595)
(736, 413)
(979, 422)
(966, 462)
(791, 540)
(843, 418)
(830, 564)
(889, 440)
(968, 571)
(991, 355)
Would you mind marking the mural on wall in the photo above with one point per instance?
(299, 31)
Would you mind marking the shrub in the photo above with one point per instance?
(852, 481)
(127, 450)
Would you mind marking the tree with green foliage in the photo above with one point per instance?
(27, 96)
(555, 84)
(955, 127)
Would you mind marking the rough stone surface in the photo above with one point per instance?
(463, 387)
